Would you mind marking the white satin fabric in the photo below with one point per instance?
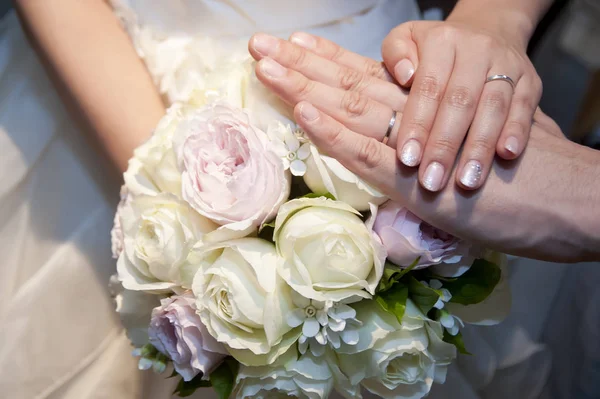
(59, 336)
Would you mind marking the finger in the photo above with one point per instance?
(480, 147)
(455, 114)
(333, 52)
(326, 71)
(400, 53)
(515, 132)
(423, 103)
(360, 113)
(375, 161)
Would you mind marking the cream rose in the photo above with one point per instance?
(158, 232)
(326, 175)
(241, 300)
(229, 172)
(329, 252)
(394, 360)
(308, 377)
(153, 168)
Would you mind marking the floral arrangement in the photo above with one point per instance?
(251, 262)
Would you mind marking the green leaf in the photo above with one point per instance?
(456, 340)
(315, 195)
(476, 284)
(393, 274)
(423, 296)
(187, 388)
(223, 378)
(394, 300)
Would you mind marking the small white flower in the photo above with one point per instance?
(446, 295)
(323, 323)
(291, 146)
(451, 323)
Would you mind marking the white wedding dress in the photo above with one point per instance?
(59, 335)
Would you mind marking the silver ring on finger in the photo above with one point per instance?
(386, 138)
(504, 78)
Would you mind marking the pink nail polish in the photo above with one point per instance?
(272, 68)
(411, 153)
(304, 40)
(471, 175)
(512, 145)
(434, 174)
(265, 44)
(404, 71)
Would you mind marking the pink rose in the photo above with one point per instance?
(229, 172)
(177, 332)
(406, 237)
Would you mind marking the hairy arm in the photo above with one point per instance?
(96, 70)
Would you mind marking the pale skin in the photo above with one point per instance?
(546, 205)
(446, 65)
(96, 70)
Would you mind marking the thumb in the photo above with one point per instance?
(400, 53)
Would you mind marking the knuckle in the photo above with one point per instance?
(515, 128)
(525, 103)
(429, 87)
(495, 100)
(483, 144)
(418, 127)
(375, 69)
(354, 103)
(297, 57)
(350, 79)
(337, 53)
(460, 97)
(336, 136)
(485, 43)
(444, 32)
(305, 88)
(445, 145)
(369, 154)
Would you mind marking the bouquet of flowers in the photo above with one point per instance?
(251, 262)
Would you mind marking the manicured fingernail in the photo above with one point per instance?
(403, 71)
(434, 174)
(411, 153)
(471, 175)
(512, 145)
(264, 44)
(304, 40)
(308, 112)
(272, 68)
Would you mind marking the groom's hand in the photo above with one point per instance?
(520, 209)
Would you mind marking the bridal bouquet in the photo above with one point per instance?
(250, 261)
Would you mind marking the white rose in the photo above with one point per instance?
(393, 360)
(306, 378)
(329, 253)
(135, 310)
(241, 300)
(236, 83)
(158, 232)
(326, 175)
(153, 168)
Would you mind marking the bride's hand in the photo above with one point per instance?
(522, 209)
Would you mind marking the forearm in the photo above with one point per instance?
(546, 206)
(513, 18)
(96, 69)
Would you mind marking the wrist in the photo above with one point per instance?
(498, 18)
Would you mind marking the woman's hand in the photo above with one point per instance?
(446, 64)
(524, 208)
